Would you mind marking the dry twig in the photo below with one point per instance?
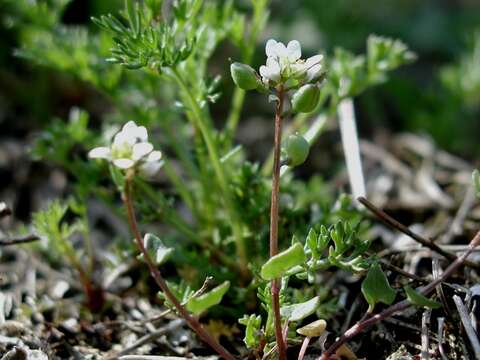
(390, 221)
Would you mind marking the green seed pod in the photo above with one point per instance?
(297, 149)
(244, 76)
(306, 98)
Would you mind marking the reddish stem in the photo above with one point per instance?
(275, 285)
(192, 321)
(304, 347)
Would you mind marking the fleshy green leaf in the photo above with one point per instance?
(297, 312)
(420, 300)
(279, 264)
(253, 324)
(199, 304)
(376, 288)
(157, 248)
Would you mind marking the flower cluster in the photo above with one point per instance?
(284, 63)
(130, 149)
(285, 72)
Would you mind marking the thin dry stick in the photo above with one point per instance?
(425, 336)
(441, 322)
(18, 241)
(172, 326)
(400, 306)
(390, 221)
(156, 274)
(467, 325)
(275, 285)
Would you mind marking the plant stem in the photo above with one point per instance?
(156, 274)
(218, 169)
(400, 306)
(275, 285)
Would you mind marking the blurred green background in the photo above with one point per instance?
(439, 94)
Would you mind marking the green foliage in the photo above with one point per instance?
(159, 252)
(418, 299)
(279, 264)
(349, 75)
(376, 289)
(300, 311)
(463, 78)
(338, 246)
(49, 224)
(146, 42)
(252, 331)
(201, 303)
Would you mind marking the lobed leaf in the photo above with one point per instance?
(375, 287)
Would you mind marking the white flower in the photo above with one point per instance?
(130, 148)
(284, 62)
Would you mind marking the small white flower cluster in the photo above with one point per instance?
(284, 63)
(130, 148)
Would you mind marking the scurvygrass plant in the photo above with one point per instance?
(222, 213)
(133, 155)
(288, 79)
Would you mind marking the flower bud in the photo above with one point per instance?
(306, 98)
(297, 149)
(244, 76)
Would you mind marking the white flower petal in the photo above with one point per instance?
(314, 72)
(141, 149)
(141, 133)
(280, 50)
(123, 163)
(264, 71)
(149, 169)
(317, 59)
(129, 125)
(294, 50)
(101, 152)
(124, 137)
(155, 155)
(273, 69)
(270, 48)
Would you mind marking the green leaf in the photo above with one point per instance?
(376, 288)
(253, 324)
(476, 181)
(199, 304)
(420, 300)
(154, 245)
(297, 312)
(279, 264)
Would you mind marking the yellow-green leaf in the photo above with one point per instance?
(279, 264)
(297, 312)
(199, 304)
(420, 300)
